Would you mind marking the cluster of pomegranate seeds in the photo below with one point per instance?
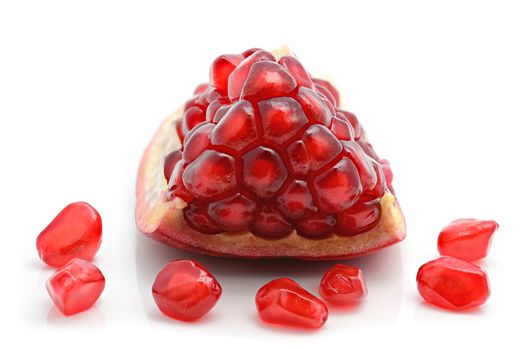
(76, 232)
(185, 290)
(343, 285)
(266, 148)
(284, 302)
(76, 286)
(453, 284)
(467, 239)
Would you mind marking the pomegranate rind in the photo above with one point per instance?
(163, 220)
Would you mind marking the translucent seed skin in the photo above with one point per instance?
(284, 302)
(343, 285)
(76, 232)
(185, 290)
(76, 286)
(467, 239)
(453, 284)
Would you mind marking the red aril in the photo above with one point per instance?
(284, 302)
(343, 285)
(76, 232)
(185, 290)
(467, 239)
(270, 166)
(453, 284)
(76, 286)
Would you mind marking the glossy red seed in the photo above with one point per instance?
(185, 290)
(238, 76)
(364, 165)
(201, 88)
(313, 106)
(237, 129)
(250, 52)
(269, 223)
(343, 285)
(213, 108)
(264, 171)
(322, 146)
(211, 174)
(76, 232)
(297, 71)
(76, 286)
(281, 118)
(178, 128)
(387, 170)
(467, 239)
(196, 141)
(191, 118)
(296, 202)
(359, 218)
(221, 69)
(326, 94)
(169, 163)
(176, 187)
(284, 302)
(342, 129)
(352, 119)
(196, 214)
(380, 187)
(319, 225)
(266, 80)
(299, 158)
(221, 112)
(338, 187)
(233, 213)
(453, 284)
(327, 86)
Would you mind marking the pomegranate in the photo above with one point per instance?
(263, 162)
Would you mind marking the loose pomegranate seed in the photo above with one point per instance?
(467, 239)
(284, 302)
(76, 286)
(343, 285)
(453, 284)
(76, 232)
(185, 290)
(267, 149)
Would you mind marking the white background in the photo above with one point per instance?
(439, 86)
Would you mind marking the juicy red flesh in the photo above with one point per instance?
(76, 232)
(76, 286)
(185, 290)
(284, 302)
(453, 284)
(467, 239)
(343, 285)
(266, 148)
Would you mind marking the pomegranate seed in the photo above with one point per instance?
(169, 163)
(76, 232)
(185, 290)
(196, 141)
(76, 286)
(236, 129)
(297, 71)
(266, 80)
(343, 285)
(221, 69)
(264, 171)
(211, 174)
(234, 213)
(453, 284)
(358, 218)
(467, 239)
(296, 202)
(282, 118)
(269, 223)
(326, 86)
(267, 149)
(201, 88)
(338, 188)
(284, 302)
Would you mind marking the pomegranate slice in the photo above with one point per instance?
(270, 166)
(284, 302)
(467, 239)
(76, 286)
(76, 232)
(453, 284)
